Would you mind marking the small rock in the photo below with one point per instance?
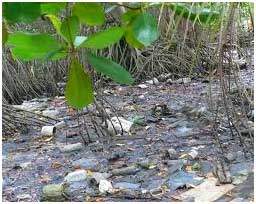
(144, 163)
(172, 154)
(125, 185)
(115, 125)
(25, 165)
(105, 186)
(189, 199)
(193, 153)
(79, 175)
(87, 163)
(51, 113)
(231, 156)
(142, 86)
(53, 192)
(153, 81)
(100, 176)
(169, 81)
(174, 165)
(125, 171)
(21, 197)
(71, 147)
(60, 125)
(182, 81)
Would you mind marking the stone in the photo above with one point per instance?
(25, 165)
(97, 176)
(105, 186)
(53, 192)
(87, 163)
(71, 147)
(126, 185)
(115, 125)
(144, 163)
(193, 153)
(142, 86)
(231, 156)
(182, 178)
(60, 125)
(153, 81)
(125, 171)
(79, 175)
(174, 165)
(22, 197)
(51, 113)
(172, 154)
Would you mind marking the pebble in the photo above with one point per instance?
(53, 192)
(25, 165)
(79, 175)
(153, 81)
(125, 171)
(126, 185)
(87, 163)
(142, 86)
(97, 176)
(105, 186)
(172, 154)
(71, 147)
(60, 125)
(193, 153)
(51, 113)
(231, 156)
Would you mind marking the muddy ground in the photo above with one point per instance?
(169, 150)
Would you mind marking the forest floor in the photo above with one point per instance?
(169, 152)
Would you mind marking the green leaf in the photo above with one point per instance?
(79, 40)
(29, 46)
(130, 38)
(145, 28)
(15, 12)
(52, 8)
(79, 91)
(90, 14)
(110, 68)
(69, 28)
(207, 16)
(104, 38)
(56, 22)
(4, 34)
(128, 16)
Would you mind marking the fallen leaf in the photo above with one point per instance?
(56, 165)
(45, 178)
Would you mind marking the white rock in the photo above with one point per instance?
(51, 113)
(153, 81)
(105, 186)
(141, 96)
(125, 124)
(71, 147)
(100, 176)
(79, 175)
(142, 86)
(182, 81)
(25, 165)
(23, 196)
(60, 124)
(193, 153)
(48, 130)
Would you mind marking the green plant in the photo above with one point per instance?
(139, 29)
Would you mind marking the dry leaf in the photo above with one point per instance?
(56, 165)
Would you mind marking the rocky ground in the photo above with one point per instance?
(168, 152)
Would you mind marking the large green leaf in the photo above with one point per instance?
(145, 28)
(79, 91)
(90, 14)
(131, 39)
(15, 12)
(4, 33)
(69, 28)
(29, 46)
(52, 8)
(104, 38)
(110, 68)
(207, 16)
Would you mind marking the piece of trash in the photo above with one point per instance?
(105, 186)
(48, 130)
(51, 113)
(206, 192)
